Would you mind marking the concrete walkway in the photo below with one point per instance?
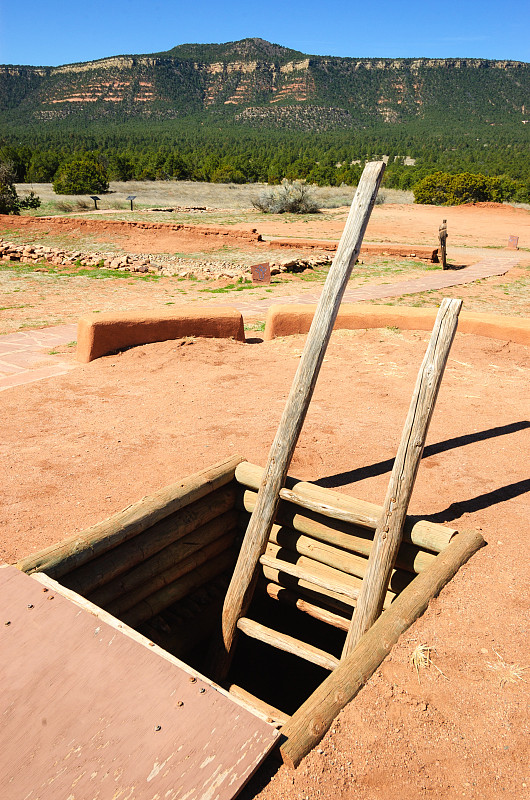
(487, 268)
(25, 356)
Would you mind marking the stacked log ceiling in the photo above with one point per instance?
(142, 572)
(165, 597)
(423, 534)
(157, 551)
(62, 558)
(172, 575)
(316, 560)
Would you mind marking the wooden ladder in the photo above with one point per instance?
(388, 533)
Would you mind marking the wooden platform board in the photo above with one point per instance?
(87, 712)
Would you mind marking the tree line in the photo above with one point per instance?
(228, 153)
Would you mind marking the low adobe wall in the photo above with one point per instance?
(99, 334)
(402, 250)
(285, 320)
(118, 226)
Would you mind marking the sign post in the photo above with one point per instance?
(442, 236)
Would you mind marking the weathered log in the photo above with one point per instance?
(287, 597)
(389, 531)
(307, 569)
(349, 563)
(340, 534)
(309, 724)
(426, 535)
(241, 588)
(273, 714)
(308, 588)
(122, 604)
(287, 643)
(165, 559)
(333, 601)
(157, 602)
(331, 581)
(326, 509)
(65, 556)
(110, 566)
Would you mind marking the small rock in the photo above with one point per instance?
(288, 262)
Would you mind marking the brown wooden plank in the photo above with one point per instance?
(89, 712)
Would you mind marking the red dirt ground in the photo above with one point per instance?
(80, 447)
(471, 225)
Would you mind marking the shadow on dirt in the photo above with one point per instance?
(370, 471)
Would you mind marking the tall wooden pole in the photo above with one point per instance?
(240, 591)
(389, 531)
(442, 236)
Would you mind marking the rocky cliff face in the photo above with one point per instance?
(257, 82)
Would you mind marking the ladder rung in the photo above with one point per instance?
(321, 576)
(273, 714)
(287, 643)
(290, 598)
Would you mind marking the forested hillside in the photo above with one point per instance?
(252, 110)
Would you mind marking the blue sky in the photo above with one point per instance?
(55, 32)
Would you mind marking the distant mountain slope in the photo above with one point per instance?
(254, 82)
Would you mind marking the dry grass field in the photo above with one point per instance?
(150, 194)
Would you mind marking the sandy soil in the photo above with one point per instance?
(79, 447)
(470, 226)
